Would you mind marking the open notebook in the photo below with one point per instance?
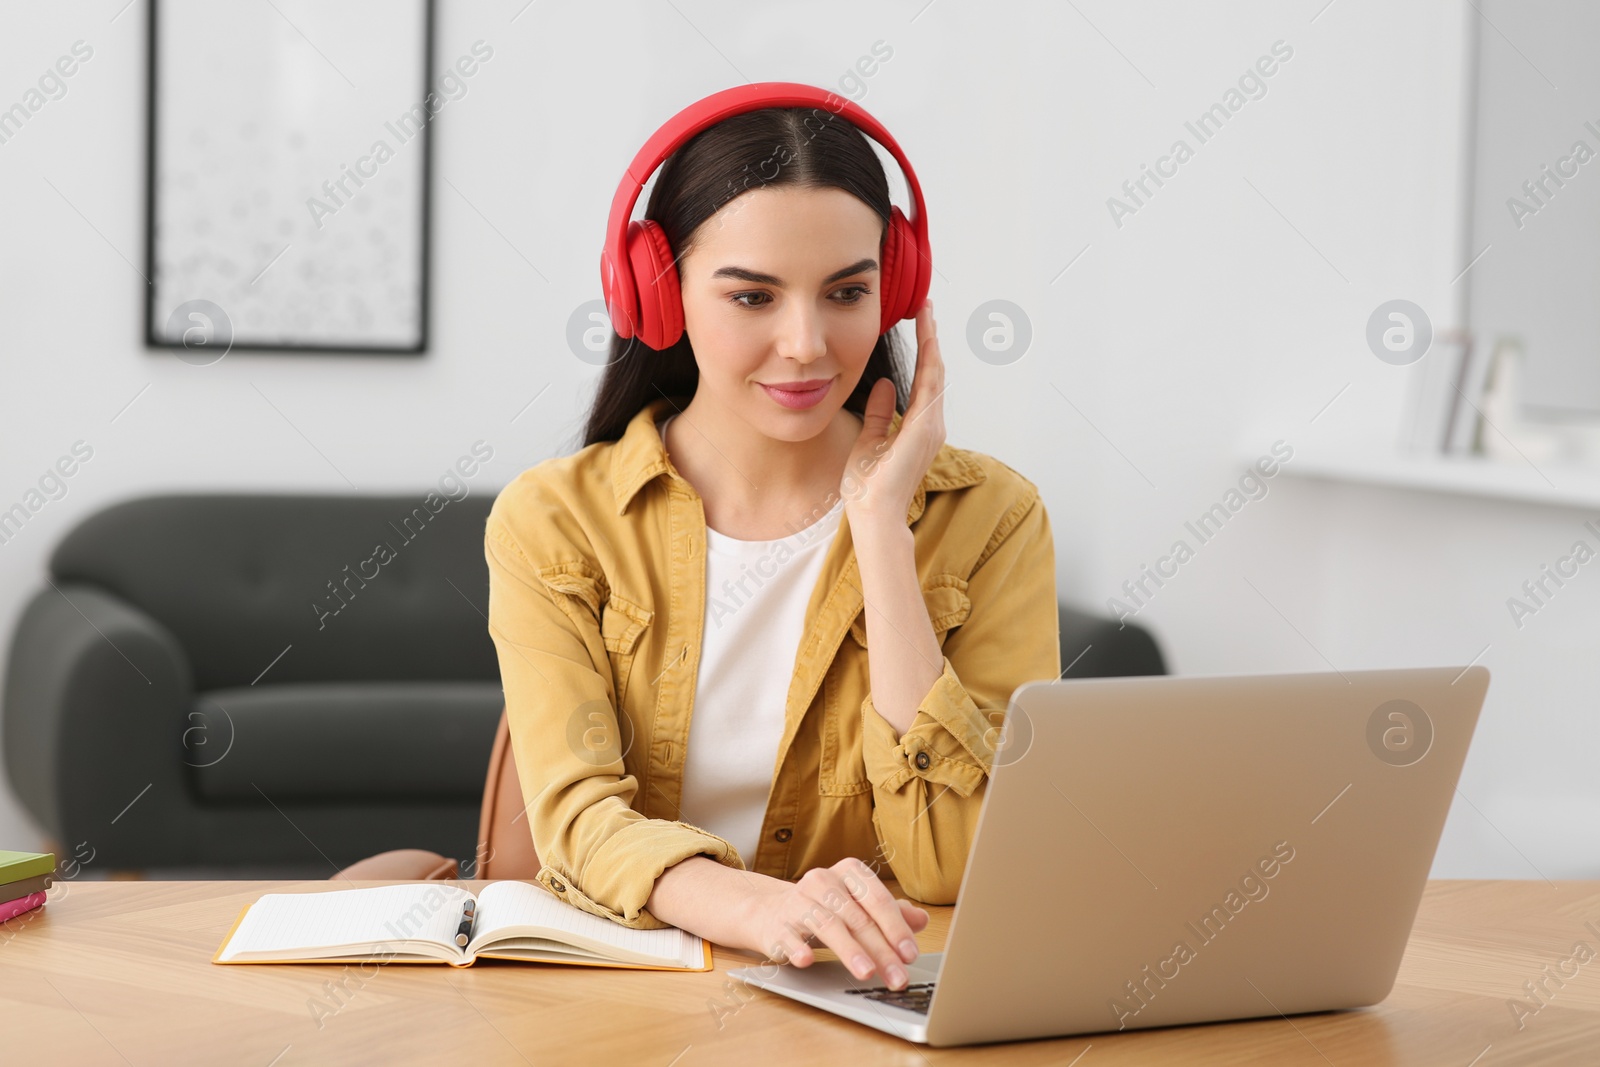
(418, 922)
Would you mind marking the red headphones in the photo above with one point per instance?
(638, 273)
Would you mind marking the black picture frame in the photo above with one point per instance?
(157, 318)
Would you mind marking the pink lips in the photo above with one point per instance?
(800, 395)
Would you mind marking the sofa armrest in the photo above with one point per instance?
(400, 864)
(93, 717)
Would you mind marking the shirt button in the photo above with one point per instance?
(783, 834)
(922, 761)
(557, 886)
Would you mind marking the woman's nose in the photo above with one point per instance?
(800, 334)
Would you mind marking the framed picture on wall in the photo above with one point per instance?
(288, 176)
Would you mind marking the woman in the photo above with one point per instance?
(843, 602)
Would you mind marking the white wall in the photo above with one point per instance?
(1222, 316)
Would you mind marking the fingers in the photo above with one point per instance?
(928, 380)
(840, 923)
(879, 409)
(847, 909)
(927, 336)
(915, 917)
(856, 917)
(927, 329)
(881, 905)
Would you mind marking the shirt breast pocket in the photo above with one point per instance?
(843, 770)
(622, 625)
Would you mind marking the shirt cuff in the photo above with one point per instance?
(623, 871)
(949, 742)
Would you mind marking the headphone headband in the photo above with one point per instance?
(620, 286)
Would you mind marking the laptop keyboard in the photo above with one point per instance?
(914, 997)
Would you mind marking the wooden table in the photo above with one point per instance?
(121, 973)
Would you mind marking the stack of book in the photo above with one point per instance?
(1467, 400)
(24, 877)
(1447, 395)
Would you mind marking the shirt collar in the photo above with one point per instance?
(640, 457)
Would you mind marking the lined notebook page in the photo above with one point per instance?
(294, 922)
(511, 902)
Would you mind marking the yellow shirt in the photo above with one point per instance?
(597, 603)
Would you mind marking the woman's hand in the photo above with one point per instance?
(883, 473)
(845, 907)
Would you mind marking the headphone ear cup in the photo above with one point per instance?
(622, 317)
(655, 278)
(898, 276)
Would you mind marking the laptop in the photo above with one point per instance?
(1157, 851)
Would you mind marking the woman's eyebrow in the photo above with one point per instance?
(746, 275)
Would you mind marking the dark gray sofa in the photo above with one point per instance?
(189, 690)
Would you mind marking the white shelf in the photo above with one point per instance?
(1550, 483)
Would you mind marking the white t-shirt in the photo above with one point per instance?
(756, 596)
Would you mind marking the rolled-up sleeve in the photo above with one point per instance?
(928, 783)
(595, 851)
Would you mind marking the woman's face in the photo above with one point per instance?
(781, 286)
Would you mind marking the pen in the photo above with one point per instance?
(464, 932)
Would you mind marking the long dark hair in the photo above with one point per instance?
(705, 173)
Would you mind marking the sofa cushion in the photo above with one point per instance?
(356, 741)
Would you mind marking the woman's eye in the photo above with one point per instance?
(853, 294)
